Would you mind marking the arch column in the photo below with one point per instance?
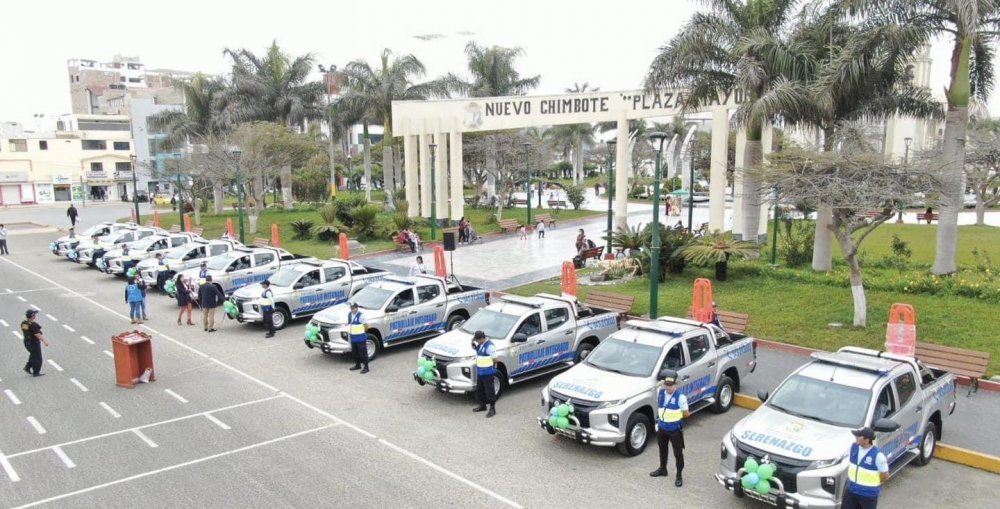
(425, 174)
(766, 212)
(741, 147)
(621, 172)
(441, 175)
(410, 159)
(717, 175)
(457, 176)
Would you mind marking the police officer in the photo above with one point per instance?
(867, 470)
(162, 274)
(33, 340)
(127, 262)
(359, 338)
(267, 307)
(486, 371)
(672, 408)
(203, 273)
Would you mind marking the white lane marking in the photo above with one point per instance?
(78, 384)
(326, 414)
(451, 474)
(22, 299)
(142, 436)
(110, 410)
(8, 468)
(35, 424)
(36, 308)
(88, 340)
(17, 334)
(67, 327)
(50, 317)
(9, 290)
(62, 456)
(144, 426)
(175, 395)
(248, 377)
(54, 365)
(12, 397)
(172, 467)
(109, 354)
(4, 323)
(217, 421)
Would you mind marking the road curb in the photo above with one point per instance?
(944, 452)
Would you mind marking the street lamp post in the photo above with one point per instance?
(691, 193)
(906, 163)
(239, 193)
(433, 148)
(135, 194)
(774, 237)
(180, 201)
(527, 165)
(654, 263)
(329, 72)
(612, 144)
(350, 169)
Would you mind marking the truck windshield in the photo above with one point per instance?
(821, 400)
(285, 277)
(93, 230)
(142, 245)
(177, 252)
(371, 297)
(492, 323)
(221, 262)
(624, 357)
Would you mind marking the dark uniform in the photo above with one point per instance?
(671, 408)
(32, 332)
(486, 371)
(359, 338)
(267, 308)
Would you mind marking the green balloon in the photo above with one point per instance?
(765, 471)
(563, 410)
(569, 408)
(745, 481)
(750, 465)
(763, 487)
(554, 421)
(429, 364)
(563, 422)
(429, 376)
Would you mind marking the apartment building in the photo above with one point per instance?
(107, 88)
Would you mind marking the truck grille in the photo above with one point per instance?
(442, 362)
(787, 468)
(581, 407)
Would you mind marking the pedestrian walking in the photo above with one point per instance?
(72, 214)
(133, 296)
(666, 206)
(210, 297)
(267, 307)
(185, 299)
(3, 240)
(866, 471)
(418, 267)
(486, 372)
(540, 228)
(672, 409)
(33, 341)
(522, 233)
(359, 338)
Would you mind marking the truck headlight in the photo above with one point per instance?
(610, 404)
(613, 420)
(826, 463)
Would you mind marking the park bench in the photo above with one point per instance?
(965, 363)
(547, 218)
(399, 244)
(259, 242)
(175, 228)
(520, 202)
(731, 321)
(197, 231)
(702, 230)
(509, 225)
(149, 224)
(471, 200)
(557, 204)
(593, 252)
(923, 216)
(616, 302)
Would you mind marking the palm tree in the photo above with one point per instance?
(372, 90)
(715, 54)
(492, 73)
(717, 248)
(571, 138)
(973, 27)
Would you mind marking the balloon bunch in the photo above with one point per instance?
(132, 271)
(312, 333)
(101, 265)
(758, 477)
(230, 309)
(427, 369)
(559, 416)
(73, 255)
(170, 287)
(53, 247)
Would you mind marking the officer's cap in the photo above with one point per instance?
(479, 335)
(30, 313)
(864, 432)
(669, 377)
(265, 283)
(354, 305)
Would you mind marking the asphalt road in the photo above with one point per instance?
(235, 420)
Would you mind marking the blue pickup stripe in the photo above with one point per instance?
(546, 362)
(412, 331)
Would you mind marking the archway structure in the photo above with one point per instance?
(443, 122)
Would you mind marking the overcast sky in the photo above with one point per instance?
(606, 44)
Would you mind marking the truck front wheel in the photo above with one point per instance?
(454, 321)
(723, 395)
(373, 345)
(928, 445)
(280, 318)
(583, 351)
(637, 433)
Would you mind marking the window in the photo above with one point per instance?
(96, 167)
(905, 387)
(94, 144)
(334, 273)
(134, 80)
(123, 167)
(262, 259)
(43, 145)
(403, 300)
(123, 79)
(674, 358)
(177, 241)
(530, 326)
(885, 405)
(242, 263)
(310, 278)
(217, 249)
(428, 293)
(697, 347)
(121, 145)
(18, 145)
(556, 317)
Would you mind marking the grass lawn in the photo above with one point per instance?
(922, 239)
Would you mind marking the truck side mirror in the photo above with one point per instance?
(884, 425)
(520, 337)
(230, 268)
(298, 286)
(762, 395)
(391, 308)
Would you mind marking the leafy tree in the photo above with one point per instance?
(982, 164)
(575, 195)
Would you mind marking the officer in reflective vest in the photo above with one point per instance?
(867, 470)
(127, 262)
(486, 373)
(203, 271)
(671, 410)
(359, 338)
(266, 303)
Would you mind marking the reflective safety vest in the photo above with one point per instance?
(669, 411)
(265, 300)
(863, 478)
(485, 365)
(356, 328)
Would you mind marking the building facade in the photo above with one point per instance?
(107, 88)
(86, 157)
(152, 153)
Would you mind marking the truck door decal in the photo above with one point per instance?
(896, 440)
(610, 321)
(736, 353)
(698, 389)
(530, 361)
(318, 301)
(411, 326)
(249, 280)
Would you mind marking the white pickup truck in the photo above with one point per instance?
(113, 263)
(305, 287)
(614, 391)
(184, 257)
(804, 427)
(532, 336)
(63, 245)
(243, 266)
